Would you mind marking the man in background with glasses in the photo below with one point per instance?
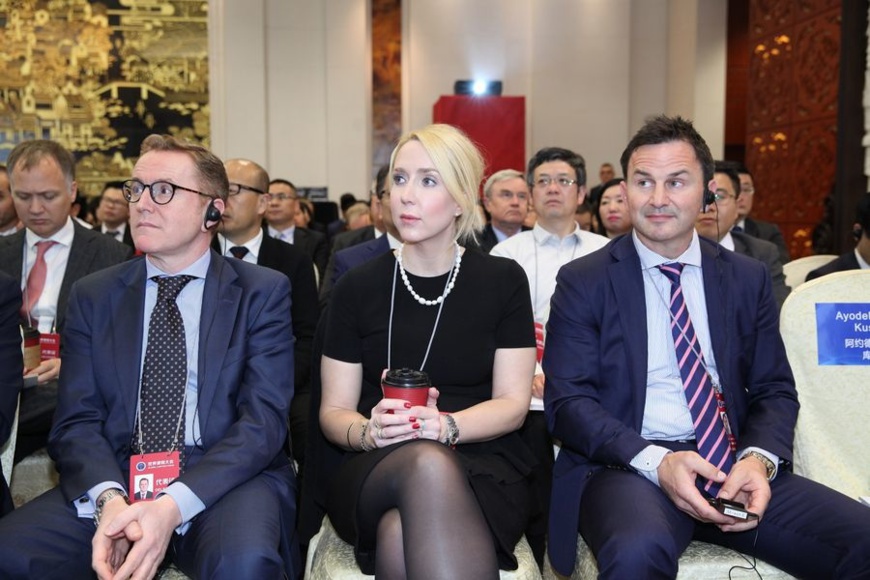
(716, 221)
(557, 178)
(506, 200)
(241, 236)
(756, 228)
(47, 257)
(177, 365)
(281, 218)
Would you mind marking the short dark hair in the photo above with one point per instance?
(112, 185)
(583, 208)
(729, 168)
(547, 154)
(863, 214)
(742, 169)
(381, 180)
(664, 129)
(29, 153)
(286, 182)
(211, 169)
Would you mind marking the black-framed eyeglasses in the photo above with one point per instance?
(236, 189)
(162, 192)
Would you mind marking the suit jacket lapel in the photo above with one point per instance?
(127, 305)
(220, 303)
(626, 279)
(718, 290)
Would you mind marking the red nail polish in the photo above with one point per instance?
(412, 419)
(416, 425)
(408, 405)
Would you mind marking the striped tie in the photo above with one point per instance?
(712, 440)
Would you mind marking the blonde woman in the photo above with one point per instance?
(435, 491)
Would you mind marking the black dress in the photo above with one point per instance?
(489, 308)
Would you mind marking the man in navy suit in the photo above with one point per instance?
(230, 512)
(627, 472)
(281, 218)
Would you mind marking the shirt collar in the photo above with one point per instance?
(650, 259)
(544, 237)
(198, 269)
(727, 242)
(63, 236)
(864, 265)
(253, 244)
(282, 234)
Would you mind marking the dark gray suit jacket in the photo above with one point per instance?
(844, 262)
(766, 252)
(90, 252)
(769, 232)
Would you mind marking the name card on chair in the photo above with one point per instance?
(843, 331)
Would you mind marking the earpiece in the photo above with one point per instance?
(709, 199)
(212, 214)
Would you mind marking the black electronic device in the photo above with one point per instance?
(733, 509)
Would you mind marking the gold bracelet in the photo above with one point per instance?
(347, 436)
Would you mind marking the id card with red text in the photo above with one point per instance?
(151, 473)
(49, 342)
(539, 340)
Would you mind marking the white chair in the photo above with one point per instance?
(330, 558)
(833, 425)
(796, 271)
(700, 561)
(8, 449)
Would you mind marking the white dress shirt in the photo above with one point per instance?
(285, 235)
(541, 254)
(253, 246)
(56, 259)
(119, 231)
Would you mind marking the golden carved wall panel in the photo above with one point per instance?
(792, 112)
(100, 76)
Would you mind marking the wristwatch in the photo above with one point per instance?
(101, 501)
(768, 464)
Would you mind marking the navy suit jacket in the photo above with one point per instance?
(595, 363)
(90, 251)
(352, 257)
(842, 263)
(245, 381)
(11, 369)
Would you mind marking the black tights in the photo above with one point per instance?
(418, 505)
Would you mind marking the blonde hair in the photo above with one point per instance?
(460, 165)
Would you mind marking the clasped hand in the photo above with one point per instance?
(394, 420)
(131, 541)
(747, 483)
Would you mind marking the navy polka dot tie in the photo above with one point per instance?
(164, 375)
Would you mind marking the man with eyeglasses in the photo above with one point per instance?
(241, 236)
(756, 228)
(715, 224)
(557, 178)
(113, 211)
(506, 200)
(46, 257)
(177, 365)
(281, 218)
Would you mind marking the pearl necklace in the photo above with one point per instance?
(454, 272)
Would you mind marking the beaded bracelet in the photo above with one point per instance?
(363, 444)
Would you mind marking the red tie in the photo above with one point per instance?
(36, 279)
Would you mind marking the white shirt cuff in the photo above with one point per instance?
(188, 504)
(648, 460)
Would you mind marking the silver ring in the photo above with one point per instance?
(422, 424)
(380, 433)
(377, 424)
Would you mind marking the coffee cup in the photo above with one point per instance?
(408, 385)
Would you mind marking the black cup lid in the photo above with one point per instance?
(407, 378)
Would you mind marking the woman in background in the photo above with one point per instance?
(613, 215)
